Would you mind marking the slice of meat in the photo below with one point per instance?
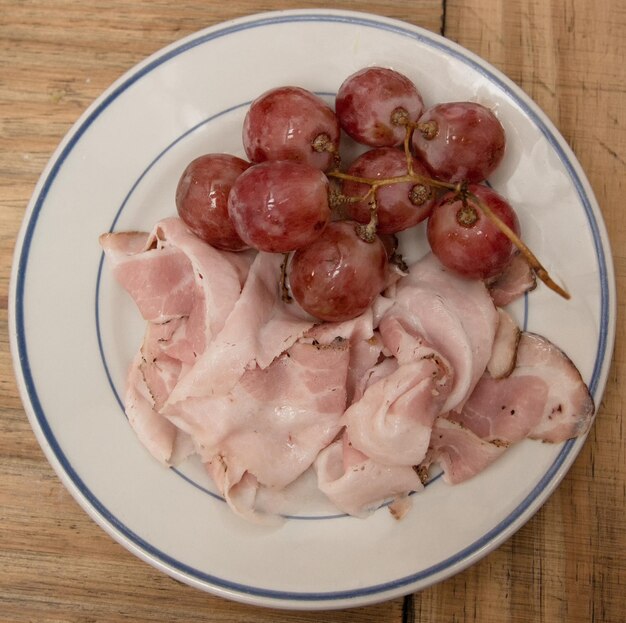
(155, 432)
(159, 368)
(365, 343)
(274, 421)
(392, 421)
(380, 370)
(403, 330)
(160, 281)
(504, 409)
(517, 279)
(119, 246)
(186, 290)
(356, 484)
(569, 409)
(460, 453)
(218, 275)
(150, 379)
(170, 270)
(454, 315)
(260, 328)
(189, 336)
(543, 398)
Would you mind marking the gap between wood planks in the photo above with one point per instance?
(442, 29)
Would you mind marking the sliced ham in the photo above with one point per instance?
(454, 315)
(392, 421)
(377, 372)
(260, 327)
(219, 275)
(169, 270)
(356, 484)
(187, 340)
(159, 368)
(151, 377)
(569, 408)
(155, 432)
(185, 289)
(160, 281)
(432, 373)
(517, 279)
(365, 343)
(460, 453)
(119, 246)
(421, 327)
(543, 398)
(274, 421)
(239, 489)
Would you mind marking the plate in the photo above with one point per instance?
(73, 332)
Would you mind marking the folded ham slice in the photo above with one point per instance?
(273, 422)
(159, 368)
(392, 421)
(358, 485)
(259, 328)
(155, 432)
(165, 442)
(185, 289)
(239, 488)
(504, 351)
(169, 270)
(543, 398)
(453, 315)
(160, 280)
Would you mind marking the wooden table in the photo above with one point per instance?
(567, 564)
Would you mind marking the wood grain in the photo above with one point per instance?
(567, 564)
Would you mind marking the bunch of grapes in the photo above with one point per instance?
(334, 225)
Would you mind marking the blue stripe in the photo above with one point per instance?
(317, 17)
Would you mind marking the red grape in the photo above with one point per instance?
(370, 102)
(468, 242)
(279, 206)
(202, 199)
(338, 276)
(460, 141)
(290, 123)
(400, 205)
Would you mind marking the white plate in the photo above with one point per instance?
(74, 332)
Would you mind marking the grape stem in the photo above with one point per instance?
(408, 135)
(530, 257)
(366, 232)
(400, 179)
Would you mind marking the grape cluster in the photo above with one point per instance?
(293, 197)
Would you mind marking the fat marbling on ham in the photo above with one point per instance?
(261, 392)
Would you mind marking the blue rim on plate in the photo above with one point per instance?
(30, 395)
